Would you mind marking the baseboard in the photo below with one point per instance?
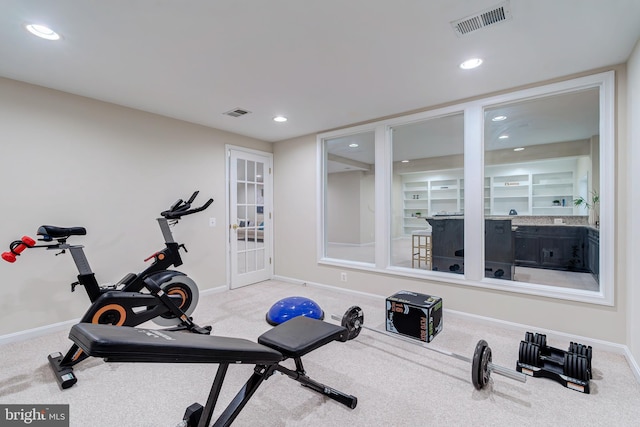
(214, 290)
(596, 343)
(37, 332)
(67, 324)
(323, 286)
(632, 363)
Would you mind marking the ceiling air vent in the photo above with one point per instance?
(487, 17)
(237, 112)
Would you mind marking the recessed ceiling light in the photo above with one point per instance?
(405, 161)
(280, 119)
(353, 145)
(503, 137)
(471, 63)
(499, 118)
(42, 32)
(519, 149)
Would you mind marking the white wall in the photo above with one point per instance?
(350, 201)
(70, 161)
(367, 208)
(633, 197)
(343, 200)
(297, 258)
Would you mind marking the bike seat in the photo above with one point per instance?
(49, 232)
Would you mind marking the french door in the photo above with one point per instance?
(250, 219)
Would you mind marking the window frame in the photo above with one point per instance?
(473, 204)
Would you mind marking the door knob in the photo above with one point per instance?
(234, 226)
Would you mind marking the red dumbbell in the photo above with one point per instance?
(10, 256)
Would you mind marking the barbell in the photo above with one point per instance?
(481, 365)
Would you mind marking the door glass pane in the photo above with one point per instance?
(542, 183)
(242, 268)
(260, 172)
(350, 198)
(241, 166)
(250, 221)
(427, 222)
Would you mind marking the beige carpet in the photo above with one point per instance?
(397, 383)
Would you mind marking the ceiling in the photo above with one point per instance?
(321, 63)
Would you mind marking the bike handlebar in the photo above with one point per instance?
(181, 208)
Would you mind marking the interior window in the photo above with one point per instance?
(350, 198)
(514, 192)
(427, 230)
(542, 189)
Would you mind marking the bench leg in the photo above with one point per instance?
(261, 373)
(300, 376)
(238, 403)
(205, 419)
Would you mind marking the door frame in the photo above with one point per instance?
(268, 208)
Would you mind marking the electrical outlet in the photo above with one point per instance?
(343, 276)
(212, 222)
(558, 221)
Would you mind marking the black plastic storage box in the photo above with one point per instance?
(414, 315)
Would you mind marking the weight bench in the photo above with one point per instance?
(291, 339)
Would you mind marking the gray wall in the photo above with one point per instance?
(297, 258)
(71, 161)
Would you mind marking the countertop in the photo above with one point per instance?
(528, 220)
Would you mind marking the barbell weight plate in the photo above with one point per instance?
(571, 360)
(521, 352)
(567, 365)
(573, 347)
(582, 369)
(535, 355)
(480, 373)
(353, 320)
(486, 359)
(543, 341)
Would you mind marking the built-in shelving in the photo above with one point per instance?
(543, 193)
(425, 197)
(552, 193)
(510, 193)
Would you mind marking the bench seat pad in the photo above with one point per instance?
(127, 344)
(300, 335)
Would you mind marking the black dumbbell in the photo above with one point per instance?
(582, 350)
(529, 353)
(575, 366)
(540, 339)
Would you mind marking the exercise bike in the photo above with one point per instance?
(131, 301)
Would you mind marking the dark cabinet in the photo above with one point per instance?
(499, 251)
(527, 251)
(552, 247)
(593, 252)
(448, 247)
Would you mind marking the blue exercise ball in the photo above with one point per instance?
(288, 308)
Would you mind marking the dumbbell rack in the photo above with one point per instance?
(570, 368)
